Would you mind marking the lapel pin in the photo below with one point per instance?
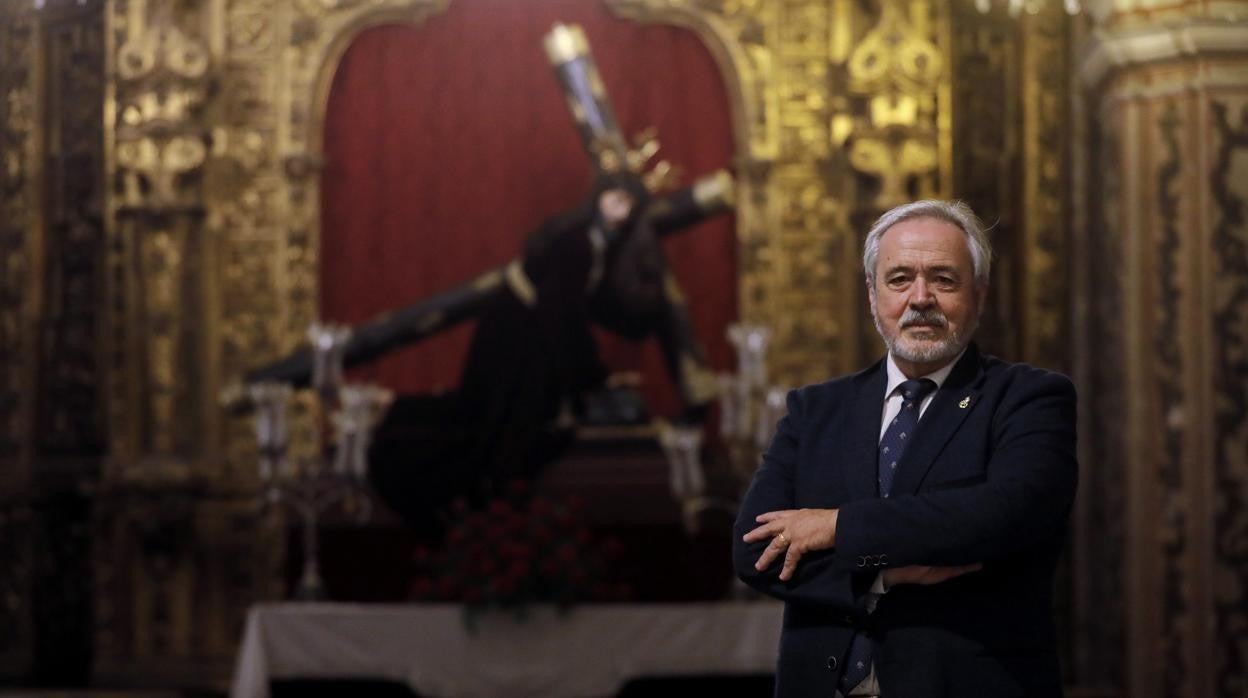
(966, 401)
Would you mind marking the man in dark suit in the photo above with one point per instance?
(910, 515)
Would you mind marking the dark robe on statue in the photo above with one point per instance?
(531, 364)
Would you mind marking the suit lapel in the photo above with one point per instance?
(862, 435)
(952, 403)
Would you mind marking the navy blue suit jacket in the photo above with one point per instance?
(989, 477)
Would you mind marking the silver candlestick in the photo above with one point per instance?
(749, 409)
(311, 485)
(749, 405)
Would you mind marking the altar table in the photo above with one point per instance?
(592, 650)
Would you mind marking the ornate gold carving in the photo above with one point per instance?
(1045, 248)
(163, 268)
(737, 34)
(152, 170)
(159, 150)
(899, 71)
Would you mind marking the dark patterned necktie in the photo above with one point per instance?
(901, 430)
(899, 433)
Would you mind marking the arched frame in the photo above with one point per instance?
(736, 41)
(213, 131)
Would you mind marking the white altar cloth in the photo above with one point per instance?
(591, 651)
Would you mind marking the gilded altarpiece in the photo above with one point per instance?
(208, 264)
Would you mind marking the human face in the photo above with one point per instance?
(925, 300)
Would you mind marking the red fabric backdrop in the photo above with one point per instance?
(446, 143)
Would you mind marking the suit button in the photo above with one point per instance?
(832, 663)
(862, 561)
(883, 559)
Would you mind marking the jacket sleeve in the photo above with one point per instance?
(818, 579)
(1024, 500)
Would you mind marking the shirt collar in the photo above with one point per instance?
(896, 377)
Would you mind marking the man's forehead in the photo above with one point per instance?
(938, 241)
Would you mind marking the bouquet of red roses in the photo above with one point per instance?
(515, 550)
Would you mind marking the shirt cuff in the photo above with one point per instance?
(875, 592)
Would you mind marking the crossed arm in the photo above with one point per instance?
(929, 537)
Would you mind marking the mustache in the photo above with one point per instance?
(928, 316)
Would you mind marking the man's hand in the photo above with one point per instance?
(793, 532)
(925, 574)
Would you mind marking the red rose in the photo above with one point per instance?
(499, 508)
(612, 548)
(518, 570)
(566, 553)
(541, 507)
(549, 567)
(487, 565)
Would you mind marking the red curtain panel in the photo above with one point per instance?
(447, 142)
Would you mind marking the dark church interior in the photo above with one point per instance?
(427, 348)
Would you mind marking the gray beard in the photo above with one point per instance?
(928, 352)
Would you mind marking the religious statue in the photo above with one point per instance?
(533, 369)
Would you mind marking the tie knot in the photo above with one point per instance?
(917, 388)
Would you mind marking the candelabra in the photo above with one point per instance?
(749, 408)
(313, 482)
(682, 446)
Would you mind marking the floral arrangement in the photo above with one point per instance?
(516, 550)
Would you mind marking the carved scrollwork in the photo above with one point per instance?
(163, 76)
(900, 73)
(1230, 399)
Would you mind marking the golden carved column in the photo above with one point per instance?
(806, 238)
(1164, 261)
(179, 548)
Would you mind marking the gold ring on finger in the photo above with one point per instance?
(783, 539)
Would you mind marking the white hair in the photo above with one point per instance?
(953, 212)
